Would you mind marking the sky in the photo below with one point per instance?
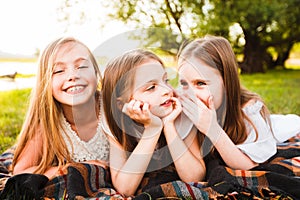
(30, 25)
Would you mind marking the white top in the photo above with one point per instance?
(283, 128)
(97, 148)
(265, 145)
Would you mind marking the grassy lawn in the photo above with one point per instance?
(13, 105)
(279, 89)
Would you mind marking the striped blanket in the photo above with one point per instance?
(279, 178)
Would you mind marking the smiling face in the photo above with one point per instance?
(151, 86)
(74, 79)
(200, 80)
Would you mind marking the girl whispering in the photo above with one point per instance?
(141, 110)
(235, 120)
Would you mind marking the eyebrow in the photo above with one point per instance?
(195, 80)
(76, 61)
(153, 80)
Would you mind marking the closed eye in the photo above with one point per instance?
(83, 66)
(151, 87)
(58, 71)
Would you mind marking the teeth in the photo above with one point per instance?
(74, 89)
(166, 102)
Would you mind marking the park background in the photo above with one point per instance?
(265, 36)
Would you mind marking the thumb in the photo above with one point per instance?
(211, 104)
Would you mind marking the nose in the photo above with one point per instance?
(202, 94)
(166, 90)
(190, 91)
(72, 74)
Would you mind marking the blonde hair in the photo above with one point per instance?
(44, 111)
(217, 52)
(118, 83)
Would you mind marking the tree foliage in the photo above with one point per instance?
(263, 24)
(263, 31)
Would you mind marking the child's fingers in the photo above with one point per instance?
(211, 104)
(176, 100)
(187, 103)
(176, 104)
(145, 108)
(137, 107)
(125, 107)
(189, 114)
(196, 100)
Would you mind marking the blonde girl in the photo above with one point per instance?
(141, 111)
(62, 124)
(235, 119)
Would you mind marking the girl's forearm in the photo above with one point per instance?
(183, 157)
(230, 153)
(129, 176)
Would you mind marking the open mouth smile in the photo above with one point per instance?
(74, 89)
(167, 103)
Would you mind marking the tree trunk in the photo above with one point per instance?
(253, 55)
(269, 62)
(283, 55)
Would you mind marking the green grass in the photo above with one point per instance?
(279, 89)
(13, 105)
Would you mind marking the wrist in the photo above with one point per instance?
(168, 123)
(215, 135)
(154, 126)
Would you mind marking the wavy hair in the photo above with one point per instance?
(44, 111)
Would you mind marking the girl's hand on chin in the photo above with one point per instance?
(177, 108)
(139, 112)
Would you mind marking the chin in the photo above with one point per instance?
(164, 113)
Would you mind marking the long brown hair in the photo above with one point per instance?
(217, 52)
(118, 83)
(43, 114)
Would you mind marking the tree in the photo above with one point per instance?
(264, 24)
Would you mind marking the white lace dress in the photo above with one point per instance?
(97, 148)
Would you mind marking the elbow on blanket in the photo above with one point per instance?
(125, 189)
(125, 192)
(197, 176)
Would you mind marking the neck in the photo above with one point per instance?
(81, 114)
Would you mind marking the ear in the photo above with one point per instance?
(120, 103)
